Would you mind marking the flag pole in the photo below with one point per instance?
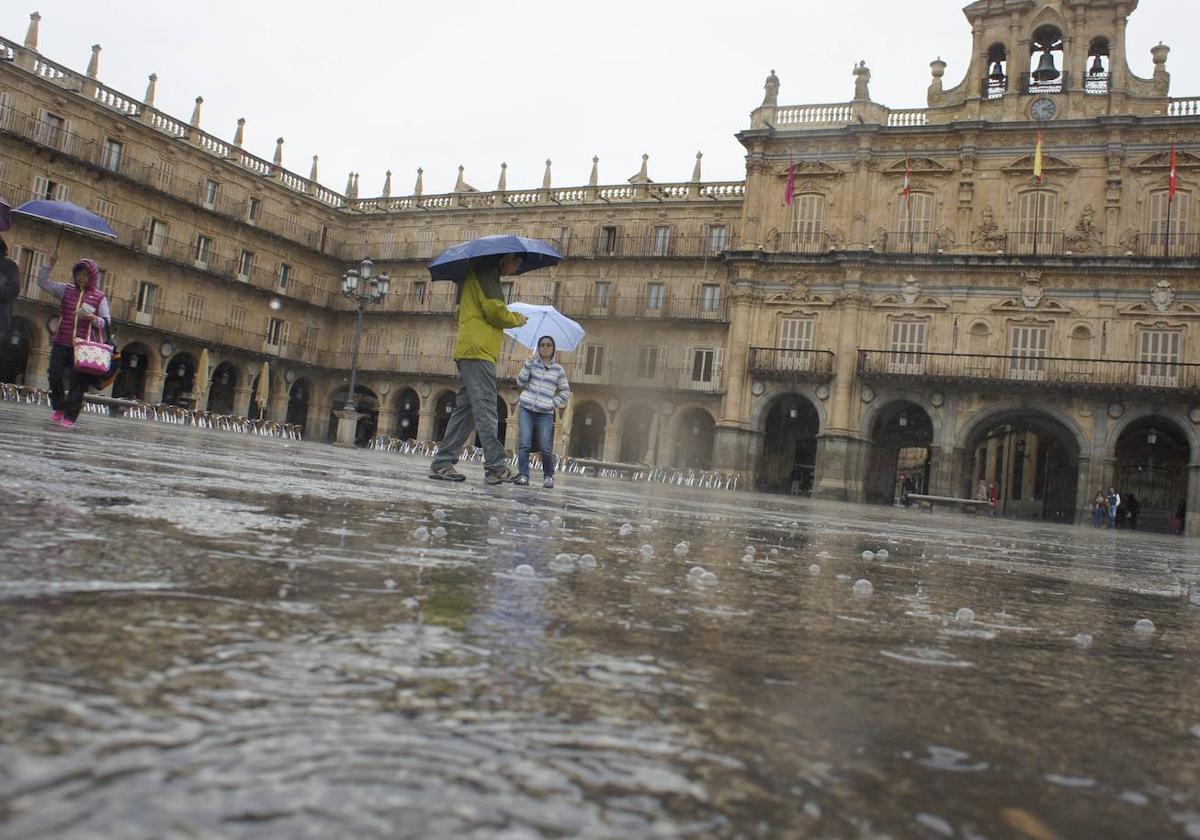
(1170, 202)
(1037, 193)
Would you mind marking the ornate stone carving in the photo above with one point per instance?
(837, 239)
(862, 78)
(745, 293)
(910, 289)
(946, 238)
(879, 239)
(1129, 239)
(1162, 295)
(988, 235)
(1086, 235)
(852, 296)
(1031, 289)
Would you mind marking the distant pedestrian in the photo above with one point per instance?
(10, 287)
(907, 485)
(1099, 510)
(546, 390)
(1132, 508)
(82, 312)
(993, 495)
(482, 319)
(1177, 519)
(1113, 499)
(981, 491)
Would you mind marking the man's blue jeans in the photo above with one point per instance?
(534, 424)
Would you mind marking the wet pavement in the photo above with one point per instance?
(205, 634)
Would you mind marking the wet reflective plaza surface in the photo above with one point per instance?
(204, 634)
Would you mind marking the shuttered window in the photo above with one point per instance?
(1028, 348)
(907, 346)
(1158, 357)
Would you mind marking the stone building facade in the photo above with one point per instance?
(816, 328)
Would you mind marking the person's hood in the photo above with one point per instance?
(91, 268)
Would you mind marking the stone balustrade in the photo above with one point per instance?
(1184, 107)
(841, 113)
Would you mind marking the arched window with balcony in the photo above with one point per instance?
(995, 80)
(1098, 68)
(1037, 222)
(1045, 59)
(808, 222)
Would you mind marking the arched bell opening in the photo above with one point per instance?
(1046, 61)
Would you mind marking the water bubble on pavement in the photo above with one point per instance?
(1144, 625)
(1084, 640)
(421, 533)
(524, 570)
(696, 571)
(863, 587)
(588, 561)
(706, 579)
(749, 550)
(556, 521)
(823, 555)
(493, 522)
(681, 549)
(936, 824)
(747, 558)
(438, 531)
(882, 554)
(389, 584)
(812, 809)
(563, 563)
(965, 615)
(868, 555)
(647, 550)
(814, 569)
(440, 513)
(625, 530)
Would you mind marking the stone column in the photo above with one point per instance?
(612, 442)
(1191, 522)
(426, 419)
(241, 400)
(40, 376)
(840, 452)
(1029, 470)
(386, 423)
(989, 464)
(156, 378)
(277, 406)
(318, 419)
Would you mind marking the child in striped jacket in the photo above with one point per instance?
(545, 389)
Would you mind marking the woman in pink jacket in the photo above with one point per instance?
(81, 305)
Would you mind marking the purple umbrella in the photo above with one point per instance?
(66, 215)
(5, 218)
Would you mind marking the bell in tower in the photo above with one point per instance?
(1097, 68)
(1046, 71)
(997, 74)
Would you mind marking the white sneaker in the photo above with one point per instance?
(549, 482)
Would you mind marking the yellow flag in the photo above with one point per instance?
(1037, 160)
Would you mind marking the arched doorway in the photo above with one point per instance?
(587, 431)
(408, 414)
(297, 409)
(14, 353)
(639, 433)
(898, 461)
(366, 404)
(694, 438)
(443, 408)
(1151, 472)
(789, 456)
(221, 390)
(1032, 459)
(130, 383)
(181, 376)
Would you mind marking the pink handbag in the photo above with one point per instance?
(92, 357)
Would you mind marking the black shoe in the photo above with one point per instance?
(446, 474)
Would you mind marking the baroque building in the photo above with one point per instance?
(1001, 287)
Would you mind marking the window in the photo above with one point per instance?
(1029, 348)
(111, 159)
(106, 209)
(808, 211)
(204, 247)
(245, 266)
(718, 238)
(796, 333)
(647, 362)
(284, 275)
(655, 294)
(561, 239)
(164, 176)
(607, 244)
(371, 342)
(710, 297)
(703, 364)
(6, 110)
(907, 345)
(147, 294)
(276, 332)
(310, 338)
(237, 317)
(211, 188)
(661, 244)
(51, 130)
(1158, 358)
(508, 288)
(193, 309)
(600, 293)
(30, 262)
(157, 236)
(915, 222)
(107, 283)
(1036, 221)
(1163, 238)
(418, 291)
(291, 224)
(47, 190)
(253, 211)
(412, 346)
(425, 243)
(594, 363)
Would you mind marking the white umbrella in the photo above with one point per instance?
(545, 320)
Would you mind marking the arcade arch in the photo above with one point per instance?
(587, 431)
(900, 457)
(639, 435)
(788, 461)
(695, 432)
(1151, 457)
(366, 403)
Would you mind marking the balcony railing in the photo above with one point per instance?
(911, 242)
(990, 88)
(602, 245)
(1054, 372)
(644, 307)
(1036, 244)
(790, 364)
(801, 243)
(1176, 245)
(1033, 87)
(1097, 84)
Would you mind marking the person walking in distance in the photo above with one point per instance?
(82, 309)
(546, 390)
(1114, 501)
(10, 287)
(482, 319)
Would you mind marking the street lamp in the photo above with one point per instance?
(361, 286)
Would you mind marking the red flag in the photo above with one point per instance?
(1171, 177)
(790, 190)
(907, 191)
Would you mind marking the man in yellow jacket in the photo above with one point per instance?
(482, 319)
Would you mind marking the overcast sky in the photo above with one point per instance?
(372, 86)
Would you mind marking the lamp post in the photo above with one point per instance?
(361, 286)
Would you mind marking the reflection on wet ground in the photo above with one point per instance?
(208, 635)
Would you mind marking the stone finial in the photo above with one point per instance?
(502, 185)
(696, 168)
(94, 62)
(419, 187)
(771, 86)
(278, 159)
(349, 184)
(354, 186)
(151, 86)
(937, 68)
(642, 177)
(196, 112)
(240, 134)
(594, 178)
(387, 185)
(862, 79)
(312, 173)
(1162, 78)
(31, 34)
(458, 185)
(546, 176)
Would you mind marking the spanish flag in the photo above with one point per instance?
(1037, 160)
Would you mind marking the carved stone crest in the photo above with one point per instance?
(1031, 289)
(1162, 295)
(910, 289)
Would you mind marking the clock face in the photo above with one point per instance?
(1043, 108)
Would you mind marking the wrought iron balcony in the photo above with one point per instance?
(1168, 245)
(790, 364)
(817, 242)
(1033, 86)
(644, 307)
(1031, 371)
(909, 242)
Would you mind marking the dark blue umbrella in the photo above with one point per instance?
(5, 218)
(66, 215)
(452, 263)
